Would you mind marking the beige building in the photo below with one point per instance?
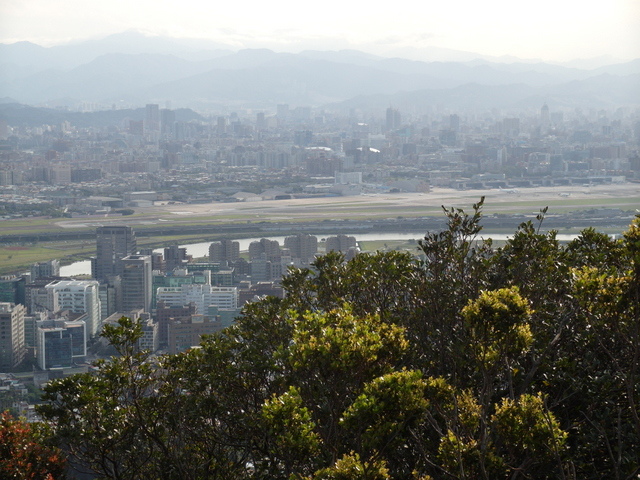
(12, 345)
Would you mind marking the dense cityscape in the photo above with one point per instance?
(66, 170)
(62, 170)
(502, 341)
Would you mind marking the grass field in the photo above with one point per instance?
(16, 258)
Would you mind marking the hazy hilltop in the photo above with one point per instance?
(131, 69)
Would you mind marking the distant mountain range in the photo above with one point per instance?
(17, 114)
(130, 69)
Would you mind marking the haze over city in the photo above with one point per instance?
(547, 30)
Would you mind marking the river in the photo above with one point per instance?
(198, 250)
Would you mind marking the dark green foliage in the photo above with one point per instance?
(466, 362)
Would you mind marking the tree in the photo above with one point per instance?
(25, 452)
(465, 362)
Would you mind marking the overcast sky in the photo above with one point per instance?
(552, 30)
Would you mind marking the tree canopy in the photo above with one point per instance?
(465, 361)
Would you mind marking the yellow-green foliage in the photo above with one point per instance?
(340, 341)
(498, 324)
(290, 424)
(351, 467)
(527, 428)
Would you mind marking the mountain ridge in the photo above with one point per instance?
(261, 78)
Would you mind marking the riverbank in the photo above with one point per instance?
(607, 208)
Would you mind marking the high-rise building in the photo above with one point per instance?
(60, 343)
(77, 296)
(187, 332)
(157, 259)
(165, 314)
(12, 346)
(221, 125)
(271, 248)
(113, 243)
(224, 251)
(261, 269)
(137, 278)
(175, 257)
(45, 269)
(261, 122)
(545, 119)
(199, 295)
(152, 118)
(167, 121)
(12, 289)
(340, 243)
(302, 246)
(393, 119)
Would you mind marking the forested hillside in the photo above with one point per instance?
(466, 361)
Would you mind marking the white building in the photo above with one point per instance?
(202, 296)
(78, 296)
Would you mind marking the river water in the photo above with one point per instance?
(198, 250)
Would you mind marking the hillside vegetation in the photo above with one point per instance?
(469, 362)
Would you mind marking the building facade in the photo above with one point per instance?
(224, 251)
(77, 296)
(113, 243)
(137, 278)
(12, 345)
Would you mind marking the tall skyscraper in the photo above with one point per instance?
(12, 345)
(136, 282)
(393, 119)
(112, 245)
(545, 119)
(152, 118)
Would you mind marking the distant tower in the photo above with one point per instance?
(221, 125)
(545, 119)
(393, 120)
(152, 118)
(112, 245)
(136, 283)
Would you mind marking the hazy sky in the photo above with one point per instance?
(546, 29)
